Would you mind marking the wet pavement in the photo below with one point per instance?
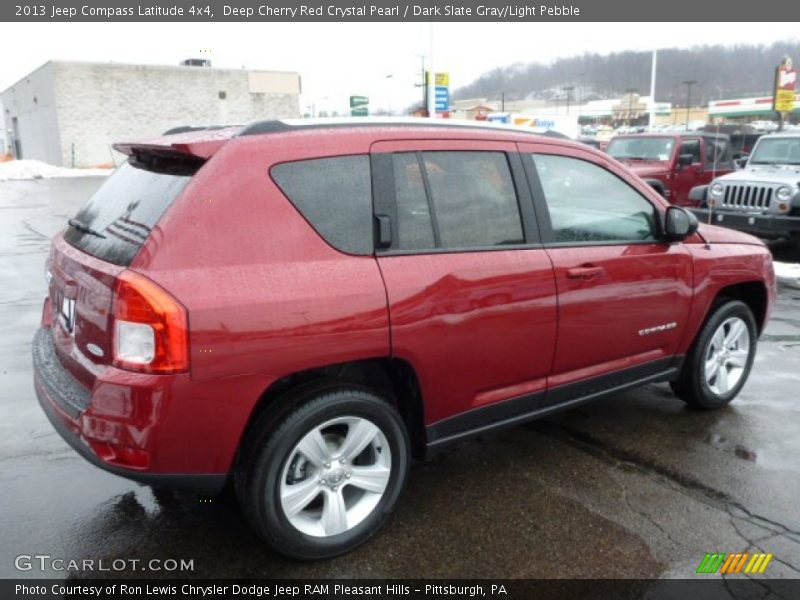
(635, 486)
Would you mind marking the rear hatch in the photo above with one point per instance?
(97, 246)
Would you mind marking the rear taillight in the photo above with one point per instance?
(150, 327)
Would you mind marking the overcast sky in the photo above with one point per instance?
(336, 59)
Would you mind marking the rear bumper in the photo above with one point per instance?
(765, 226)
(68, 406)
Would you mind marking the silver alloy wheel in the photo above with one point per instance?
(335, 476)
(726, 356)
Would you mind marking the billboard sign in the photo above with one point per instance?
(785, 87)
(441, 91)
(359, 106)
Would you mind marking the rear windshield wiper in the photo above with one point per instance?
(84, 228)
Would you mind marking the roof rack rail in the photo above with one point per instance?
(188, 128)
(284, 125)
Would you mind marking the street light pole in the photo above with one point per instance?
(568, 89)
(389, 93)
(688, 83)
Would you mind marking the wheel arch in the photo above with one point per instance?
(753, 293)
(393, 378)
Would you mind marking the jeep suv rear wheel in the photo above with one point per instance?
(324, 479)
(719, 363)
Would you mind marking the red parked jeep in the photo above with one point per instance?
(674, 163)
(300, 307)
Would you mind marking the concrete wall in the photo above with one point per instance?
(99, 104)
(32, 101)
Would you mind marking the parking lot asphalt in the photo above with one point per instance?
(634, 486)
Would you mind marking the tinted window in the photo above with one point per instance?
(589, 204)
(471, 198)
(414, 224)
(335, 196)
(125, 209)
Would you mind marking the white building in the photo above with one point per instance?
(69, 113)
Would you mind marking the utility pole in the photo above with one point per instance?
(688, 83)
(431, 90)
(568, 89)
(424, 85)
(630, 92)
(502, 102)
(651, 121)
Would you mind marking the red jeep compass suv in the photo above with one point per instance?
(300, 307)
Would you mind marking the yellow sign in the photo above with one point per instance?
(442, 79)
(785, 87)
(784, 101)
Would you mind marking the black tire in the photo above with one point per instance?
(692, 386)
(268, 446)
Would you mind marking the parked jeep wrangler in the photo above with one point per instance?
(674, 163)
(764, 197)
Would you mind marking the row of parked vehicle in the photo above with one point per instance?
(729, 176)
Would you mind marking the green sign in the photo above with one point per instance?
(358, 101)
(359, 111)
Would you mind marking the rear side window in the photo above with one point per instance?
(117, 220)
(459, 200)
(335, 196)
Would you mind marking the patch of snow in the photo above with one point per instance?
(788, 273)
(35, 169)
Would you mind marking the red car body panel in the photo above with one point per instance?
(266, 297)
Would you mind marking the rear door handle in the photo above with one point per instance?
(585, 272)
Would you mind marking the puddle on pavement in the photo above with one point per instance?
(720, 442)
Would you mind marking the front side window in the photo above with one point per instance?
(335, 196)
(691, 147)
(589, 204)
(458, 200)
(717, 152)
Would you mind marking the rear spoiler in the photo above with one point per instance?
(198, 144)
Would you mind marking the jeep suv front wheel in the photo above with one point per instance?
(719, 363)
(322, 480)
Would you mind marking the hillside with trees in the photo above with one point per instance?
(720, 72)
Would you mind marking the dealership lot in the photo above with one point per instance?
(635, 486)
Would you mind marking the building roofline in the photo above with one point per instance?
(18, 81)
(145, 65)
(163, 66)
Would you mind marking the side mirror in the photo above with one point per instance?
(697, 194)
(679, 224)
(684, 160)
(741, 162)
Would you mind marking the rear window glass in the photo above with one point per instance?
(335, 196)
(118, 218)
